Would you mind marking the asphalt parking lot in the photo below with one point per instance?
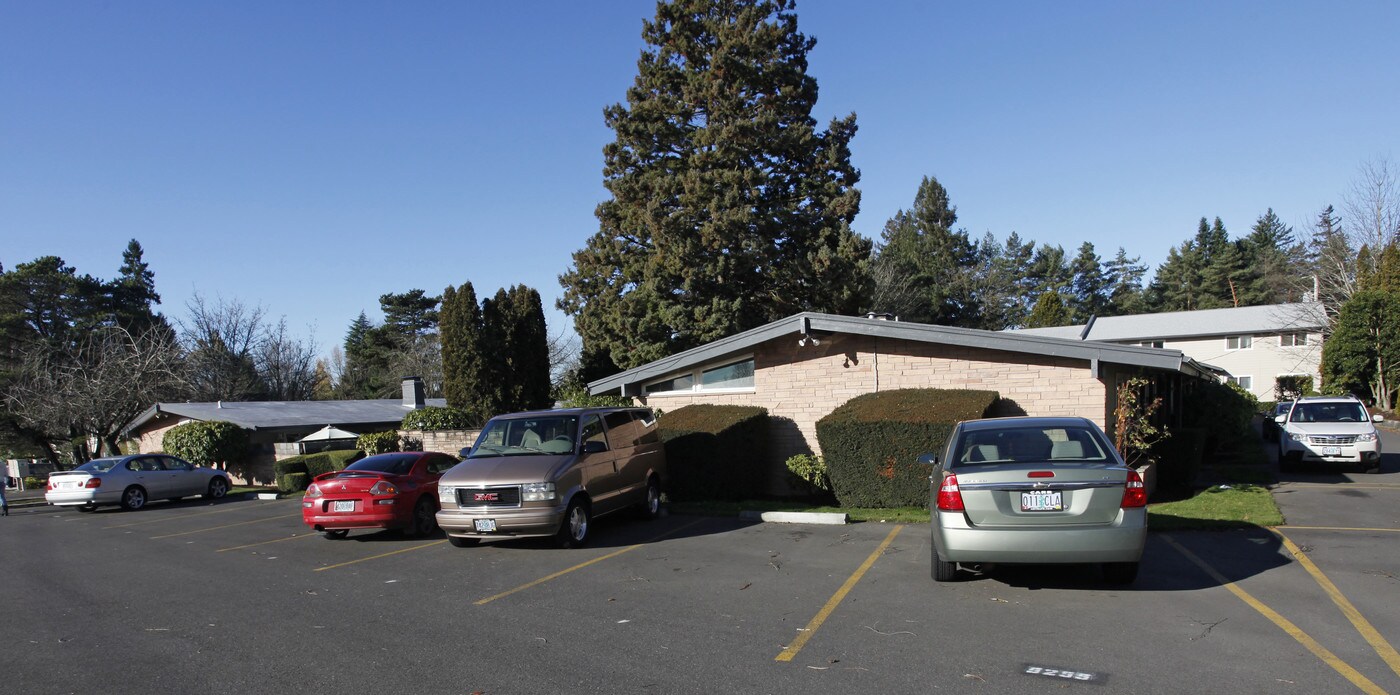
(238, 596)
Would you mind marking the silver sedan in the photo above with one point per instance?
(1035, 490)
(131, 481)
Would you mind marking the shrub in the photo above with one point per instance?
(33, 483)
(207, 442)
(437, 418)
(1226, 413)
(871, 443)
(1179, 457)
(378, 442)
(284, 470)
(292, 482)
(1133, 431)
(577, 396)
(811, 469)
(715, 452)
(296, 473)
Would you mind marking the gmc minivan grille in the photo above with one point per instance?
(507, 496)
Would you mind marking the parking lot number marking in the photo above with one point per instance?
(1383, 649)
(582, 565)
(216, 528)
(1283, 623)
(376, 557)
(836, 599)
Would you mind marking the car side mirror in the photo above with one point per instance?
(928, 459)
(594, 447)
(1377, 418)
(465, 450)
(1280, 419)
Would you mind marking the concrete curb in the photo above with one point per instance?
(833, 518)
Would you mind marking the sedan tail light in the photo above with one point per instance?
(1135, 493)
(93, 482)
(949, 496)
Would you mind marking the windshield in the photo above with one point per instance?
(527, 436)
(1328, 412)
(393, 464)
(97, 465)
(1012, 444)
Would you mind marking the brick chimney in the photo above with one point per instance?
(413, 392)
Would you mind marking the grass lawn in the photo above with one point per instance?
(1242, 501)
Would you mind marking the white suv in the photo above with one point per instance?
(1329, 429)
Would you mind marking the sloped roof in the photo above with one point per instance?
(255, 415)
(1269, 318)
(814, 323)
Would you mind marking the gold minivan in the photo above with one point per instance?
(551, 472)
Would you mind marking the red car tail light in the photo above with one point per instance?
(93, 482)
(53, 484)
(383, 487)
(313, 491)
(1041, 474)
(949, 496)
(1135, 493)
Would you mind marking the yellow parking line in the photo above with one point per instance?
(582, 565)
(216, 528)
(175, 518)
(376, 557)
(1378, 643)
(275, 540)
(1283, 623)
(1340, 528)
(836, 599)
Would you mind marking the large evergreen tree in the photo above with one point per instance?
(921, 245)
(1275, 259)
(1125, 294)
(728, 208)
(1090, 287)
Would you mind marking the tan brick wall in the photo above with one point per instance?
(445, 441)
(800, 385)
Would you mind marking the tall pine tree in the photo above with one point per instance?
(921, 245)
(728, 208)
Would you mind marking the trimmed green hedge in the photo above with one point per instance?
(295, 473)
(715, 452)
(436, 418)
(871, 443)
(1179, 457)
(205, 443)
(378, 442)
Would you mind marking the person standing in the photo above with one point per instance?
(4, 506)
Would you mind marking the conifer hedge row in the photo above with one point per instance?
(715, 452)
(872, 442)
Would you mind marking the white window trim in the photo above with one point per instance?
(1295, 344)
(1236, 381)
(698, 388)
(1239, 339)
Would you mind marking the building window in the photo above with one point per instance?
(1244, 382)
(1239, 342)
(1150, 343)
(1293, 339)
(734, 376)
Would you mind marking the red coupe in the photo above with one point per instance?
(397, 491)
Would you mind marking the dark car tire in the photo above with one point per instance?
(943, 570)
(337, 534)
(573, 530)
(424, 520)
(88, 508)
(459, 542)
(651, 505)
(1120, 572)
(218, 487)
(134, 498)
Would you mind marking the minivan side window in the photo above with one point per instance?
(621, 432)
(593, 429)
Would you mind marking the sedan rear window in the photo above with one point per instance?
(97, 466)
(1037, 444)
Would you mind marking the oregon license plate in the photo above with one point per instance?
(1331, 451)
(1042, 501)
(344, 506)
(485, 525)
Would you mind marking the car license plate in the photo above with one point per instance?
(344, 506)
(485, 525)
(1331, 451)
(67, 485)
(1042, 501)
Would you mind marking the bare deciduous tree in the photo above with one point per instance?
(99, 385)
(1372, 209)
(235, 354)
(287, 365)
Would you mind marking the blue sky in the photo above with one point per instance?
(311, 156)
